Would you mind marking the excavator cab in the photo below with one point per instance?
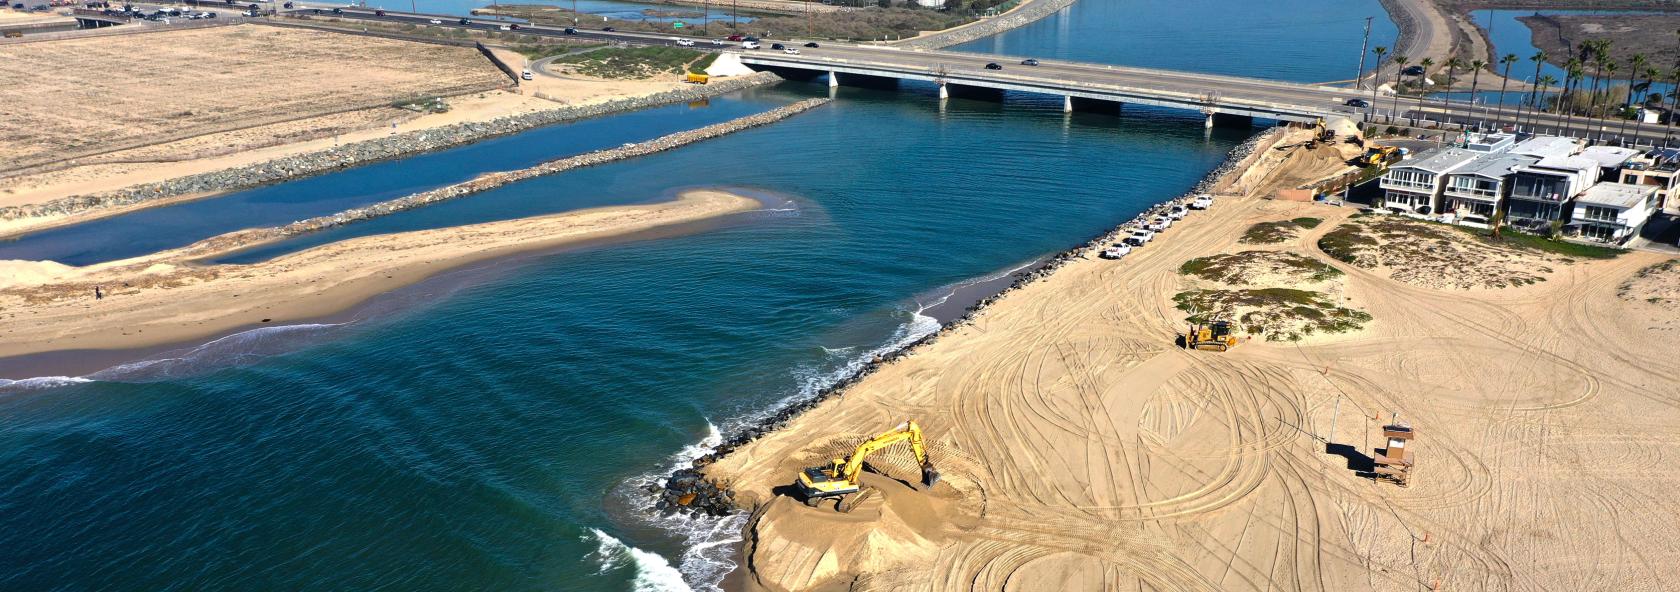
(840, 478)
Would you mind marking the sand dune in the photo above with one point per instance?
(1085, 452)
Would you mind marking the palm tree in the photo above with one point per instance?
(1423, 85)
(1476, 67)
(1546, 81)
(1651, 75)
(1399, 68)
(1610, 71)
(1538, 58)
(1600, 53)
(1509, 59)
(1380, 51)
(1574, 73)
(1636, 65)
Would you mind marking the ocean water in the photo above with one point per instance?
(489, 429)
(1300, 41)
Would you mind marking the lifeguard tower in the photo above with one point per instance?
(1395, 462)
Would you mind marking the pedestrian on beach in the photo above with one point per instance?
(98, 293)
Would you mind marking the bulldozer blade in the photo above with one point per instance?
(930, 476)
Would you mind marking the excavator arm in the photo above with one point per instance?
(908, 430)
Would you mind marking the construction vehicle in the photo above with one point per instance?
(1322, 134)
(697, 78)
(1216, 336)
(1378, 155)
(1395, 462)
(839, 479)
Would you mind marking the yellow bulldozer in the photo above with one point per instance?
(1215, 335)
(839, 479)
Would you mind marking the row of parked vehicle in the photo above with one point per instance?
(1144, 227)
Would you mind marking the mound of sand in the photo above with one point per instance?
(1260, 268)
(1434, 255)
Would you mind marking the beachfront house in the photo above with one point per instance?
(1658, 168)
(1611, 159)
(1612, 212)
(1540, 191)
(1415, 184)
(1473, 192)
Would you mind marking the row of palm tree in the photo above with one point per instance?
(1566, 103)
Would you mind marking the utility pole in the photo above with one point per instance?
(706, 21)
(574, 14)
(1359, 79)
(734, 24)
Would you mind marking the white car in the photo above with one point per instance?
(717, 42)
(1143, 234)
(526, 75)
(791, 51)
(1177, 212)
(749, 45)
(435, 22)
(685, 42)
(1116, 251)
(1159, 224)
(1202, 202)
(504, 28)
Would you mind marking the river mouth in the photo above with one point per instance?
(250, 344)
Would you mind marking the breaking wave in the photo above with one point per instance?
(652, 572)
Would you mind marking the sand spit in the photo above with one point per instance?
(160, 299)
(252, 170)
(1084, 451)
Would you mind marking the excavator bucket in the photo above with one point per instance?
(930, 476)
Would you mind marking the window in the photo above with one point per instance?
(1410, 178)
(1599, 213)
(1545, 187)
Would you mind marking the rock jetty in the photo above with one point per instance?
(1021, 16)
(705, 497)
(485, 182)
(368, 151)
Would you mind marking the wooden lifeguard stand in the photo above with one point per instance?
(1395, 462)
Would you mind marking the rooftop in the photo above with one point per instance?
(1545, 147)
(1496, 165)
(1609, 156)
(1556, 164)
(1620, 195)
(1440, 160)
(1490, 142)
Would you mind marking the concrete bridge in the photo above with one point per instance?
(1085, 86)
(1082, 86)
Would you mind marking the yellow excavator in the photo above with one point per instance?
(840, 477)
(1215, 335)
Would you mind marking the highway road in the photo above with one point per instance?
(1183, 89)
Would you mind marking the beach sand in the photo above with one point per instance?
(163, 298)
(1083, 450)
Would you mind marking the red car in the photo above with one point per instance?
(734, 37)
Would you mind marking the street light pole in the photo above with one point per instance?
(1359, 79)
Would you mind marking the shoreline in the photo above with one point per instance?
(93, 363)
(52, 288)
(74, 209)
(192, 303)
(711, 499)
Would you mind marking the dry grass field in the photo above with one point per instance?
(63, 100)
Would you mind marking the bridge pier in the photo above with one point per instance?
(1215, 118)
(833, 79)
(944, 93)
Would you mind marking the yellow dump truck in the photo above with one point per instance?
(697, 78)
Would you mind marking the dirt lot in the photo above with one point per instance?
(1651, 34)
(61, 100)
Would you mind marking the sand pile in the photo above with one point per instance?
(1434, 255)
